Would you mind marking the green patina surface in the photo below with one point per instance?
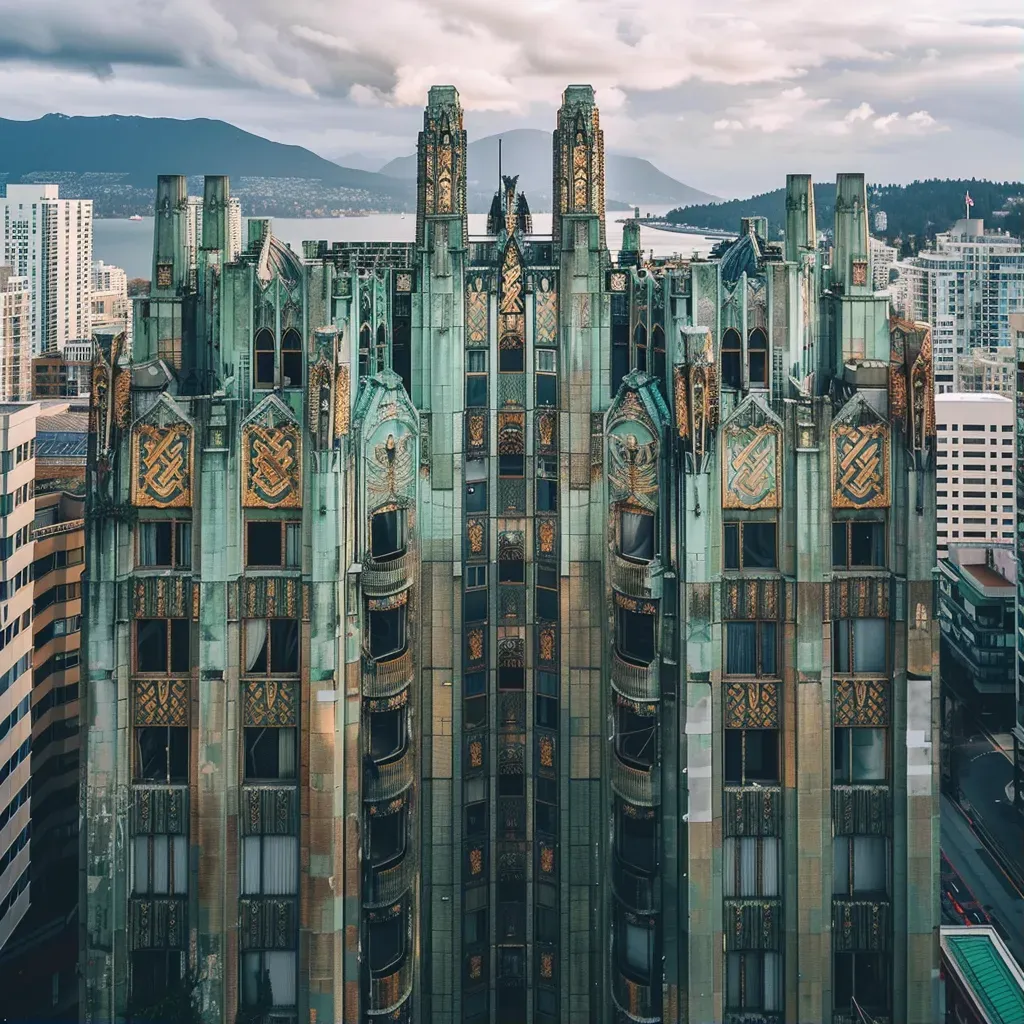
(990, 978)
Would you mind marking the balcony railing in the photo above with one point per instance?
(269, 809)
(386, 781)
(637, 682)
(387, 885)
(638, 892)
(636, 786)
(752, 811)
(636, 579)
(389, 992)
(639, 1002)
(382, 579)
(861, 810)
(158, 922)
(386, 678)
(861, 925)
(55, 529)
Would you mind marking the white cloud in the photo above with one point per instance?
(726, 125)
(861, 113)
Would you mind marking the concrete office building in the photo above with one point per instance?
(488, 628)
(975, 469)
(49, 241)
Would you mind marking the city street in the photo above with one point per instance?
(988, 883)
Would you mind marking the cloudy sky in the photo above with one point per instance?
(726, 95)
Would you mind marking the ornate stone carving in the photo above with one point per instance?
(269, 703)
(161, 702)
(271, 458)
(752, 705)
(750, 466)
(342, 401)
(860, 465)
(162, 464)
(391, 469)
(861, 702)
(633, 470)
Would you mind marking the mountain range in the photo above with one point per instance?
(115, 160)
(526, 152)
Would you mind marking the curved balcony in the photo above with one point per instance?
(386, 781)
(638, 1002)
(382, 579)
(634, 785)
(386, 678)
(389, 992)
(386, 885)
(636, 579)
(637, 682)
(638, 892)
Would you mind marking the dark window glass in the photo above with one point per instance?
(759, 546)
(291, 359)
(751, 755)
(476, 819)
(387, 837)
(155, 543)
(284, 645)
(547, 389)
(547, 712)
(474, 714)
(867, 540)
(474, 927)
(636, 842)
(511, 465)
(387, 943)
(387, 733)
(757, 358)
(732, 357)
(270, 753)
(476, 497)
(156, 974)
(476, 605)
(547, 682)
(511, 677)
(511, 570)
(635, 739)
(476, 390)
(547, 603)
(474, 683)
(161, 754)
(387, 632)
(511, 785)
(263, 544)
(387, 534)
(732, 545)
(634, 636)
(263, 360)
(510, 360)
(547, 495)
(636, 536)
(741, 648)
(151, 645)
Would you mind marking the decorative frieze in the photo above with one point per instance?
(752, 705)
(861, 926)
(752, 924)
(268, 703)
(157, 923)
(159, 810)
(267, 923)
(269, 811)
(751, 811)
(861, 810)
(860, 702)
(858, 597)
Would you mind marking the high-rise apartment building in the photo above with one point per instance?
(15, 337)
(975, 467)
(17, 511)
(966, 288)
(38, 963)
(1017, 327)
(494, 628)
(196, 207)
(883, 261)
(49, 240)
(111, 307)
(988, 369)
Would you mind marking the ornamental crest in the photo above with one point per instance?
(269, 703)
(271, 473)
(752, 706)
(860, 465)
(391, 467)
(162, 466)
(633, 470)
(861, 702)
(161, 702)
(750, 466)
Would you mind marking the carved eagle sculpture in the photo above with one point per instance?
(634, 470)
(392, 466)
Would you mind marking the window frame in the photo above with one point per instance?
(851, 648)
(268, 643)
(761, 346)
(745, 779)
(291, 352)
(284, 527)
(169, 671)
(740, 526)
(260, 348)
(761, 645)
(847, 525)
(175, 525)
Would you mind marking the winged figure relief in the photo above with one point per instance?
(392, 466)
(634, 469)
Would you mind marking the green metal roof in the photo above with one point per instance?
(996, 988)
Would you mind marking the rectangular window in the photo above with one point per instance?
(159, 865)
(750, 545)
(271, 646)
(475, 598)
(753, 981)
(751, 649)
(270, 866)
(272, 544)
(547, 594)
(864, 978)
(476, 497)
(635, 636)
(637, 948)
(161, 754)
(387, 534)
(386, 631)
(269, 753)
(858, 543)
(636, 536)
(858, 754)
(163, 646)
(750, 867)
(751, 755)
(165, 543)
(269, 979)
(859, 646)
(547, 381)
(860, 866)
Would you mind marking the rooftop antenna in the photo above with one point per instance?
(499, 167)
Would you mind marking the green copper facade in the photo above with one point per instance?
(494, 628)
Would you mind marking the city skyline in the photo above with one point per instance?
(935, 100)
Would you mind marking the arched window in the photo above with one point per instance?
(365, 340)
(757, 359)
(640, 344)
(263, 359)
(291, 359)
(658, 344)
(732, 360)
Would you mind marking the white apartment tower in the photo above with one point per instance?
(49, 241)
(15, 337)
(111, 309)
(975, 465)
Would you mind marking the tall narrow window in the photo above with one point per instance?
(163, 646)
(387, 534)
(640, 347)
(476, 379)
(732, 360)
(387, 631)
(658, 353)
(635, 636)
(636, 536)
(159, 865)
(859, 646)
(269, 753)
(291, 359)
(547, 381)
(757, 359)
(161, 754)
(751, 755)
(620, 340)
(271, 646)
(263, 375)
(365, 342)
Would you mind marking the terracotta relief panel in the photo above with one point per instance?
(162, 461)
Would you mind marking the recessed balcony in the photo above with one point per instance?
(384, 578)
(637, 682)
(387, 678)
(636, 579)
(386, 781)
(638, 1002)
(635, 786)
(387, 885)
(389, 992)
(638, 892)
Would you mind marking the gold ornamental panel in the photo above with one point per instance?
(863, 702)
(752, 705)
(162, 466)
(160, 702)
(271, 466)
(860, 466)
(750, 467)
(268, 703)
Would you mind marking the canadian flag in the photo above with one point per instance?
(969, 200)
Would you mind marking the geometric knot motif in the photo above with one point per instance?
(162, 466)
(271, 459)
(750, 467)
(860, 466)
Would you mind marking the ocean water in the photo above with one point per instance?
(129, 244)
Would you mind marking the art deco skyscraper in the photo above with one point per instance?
(490, 628)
